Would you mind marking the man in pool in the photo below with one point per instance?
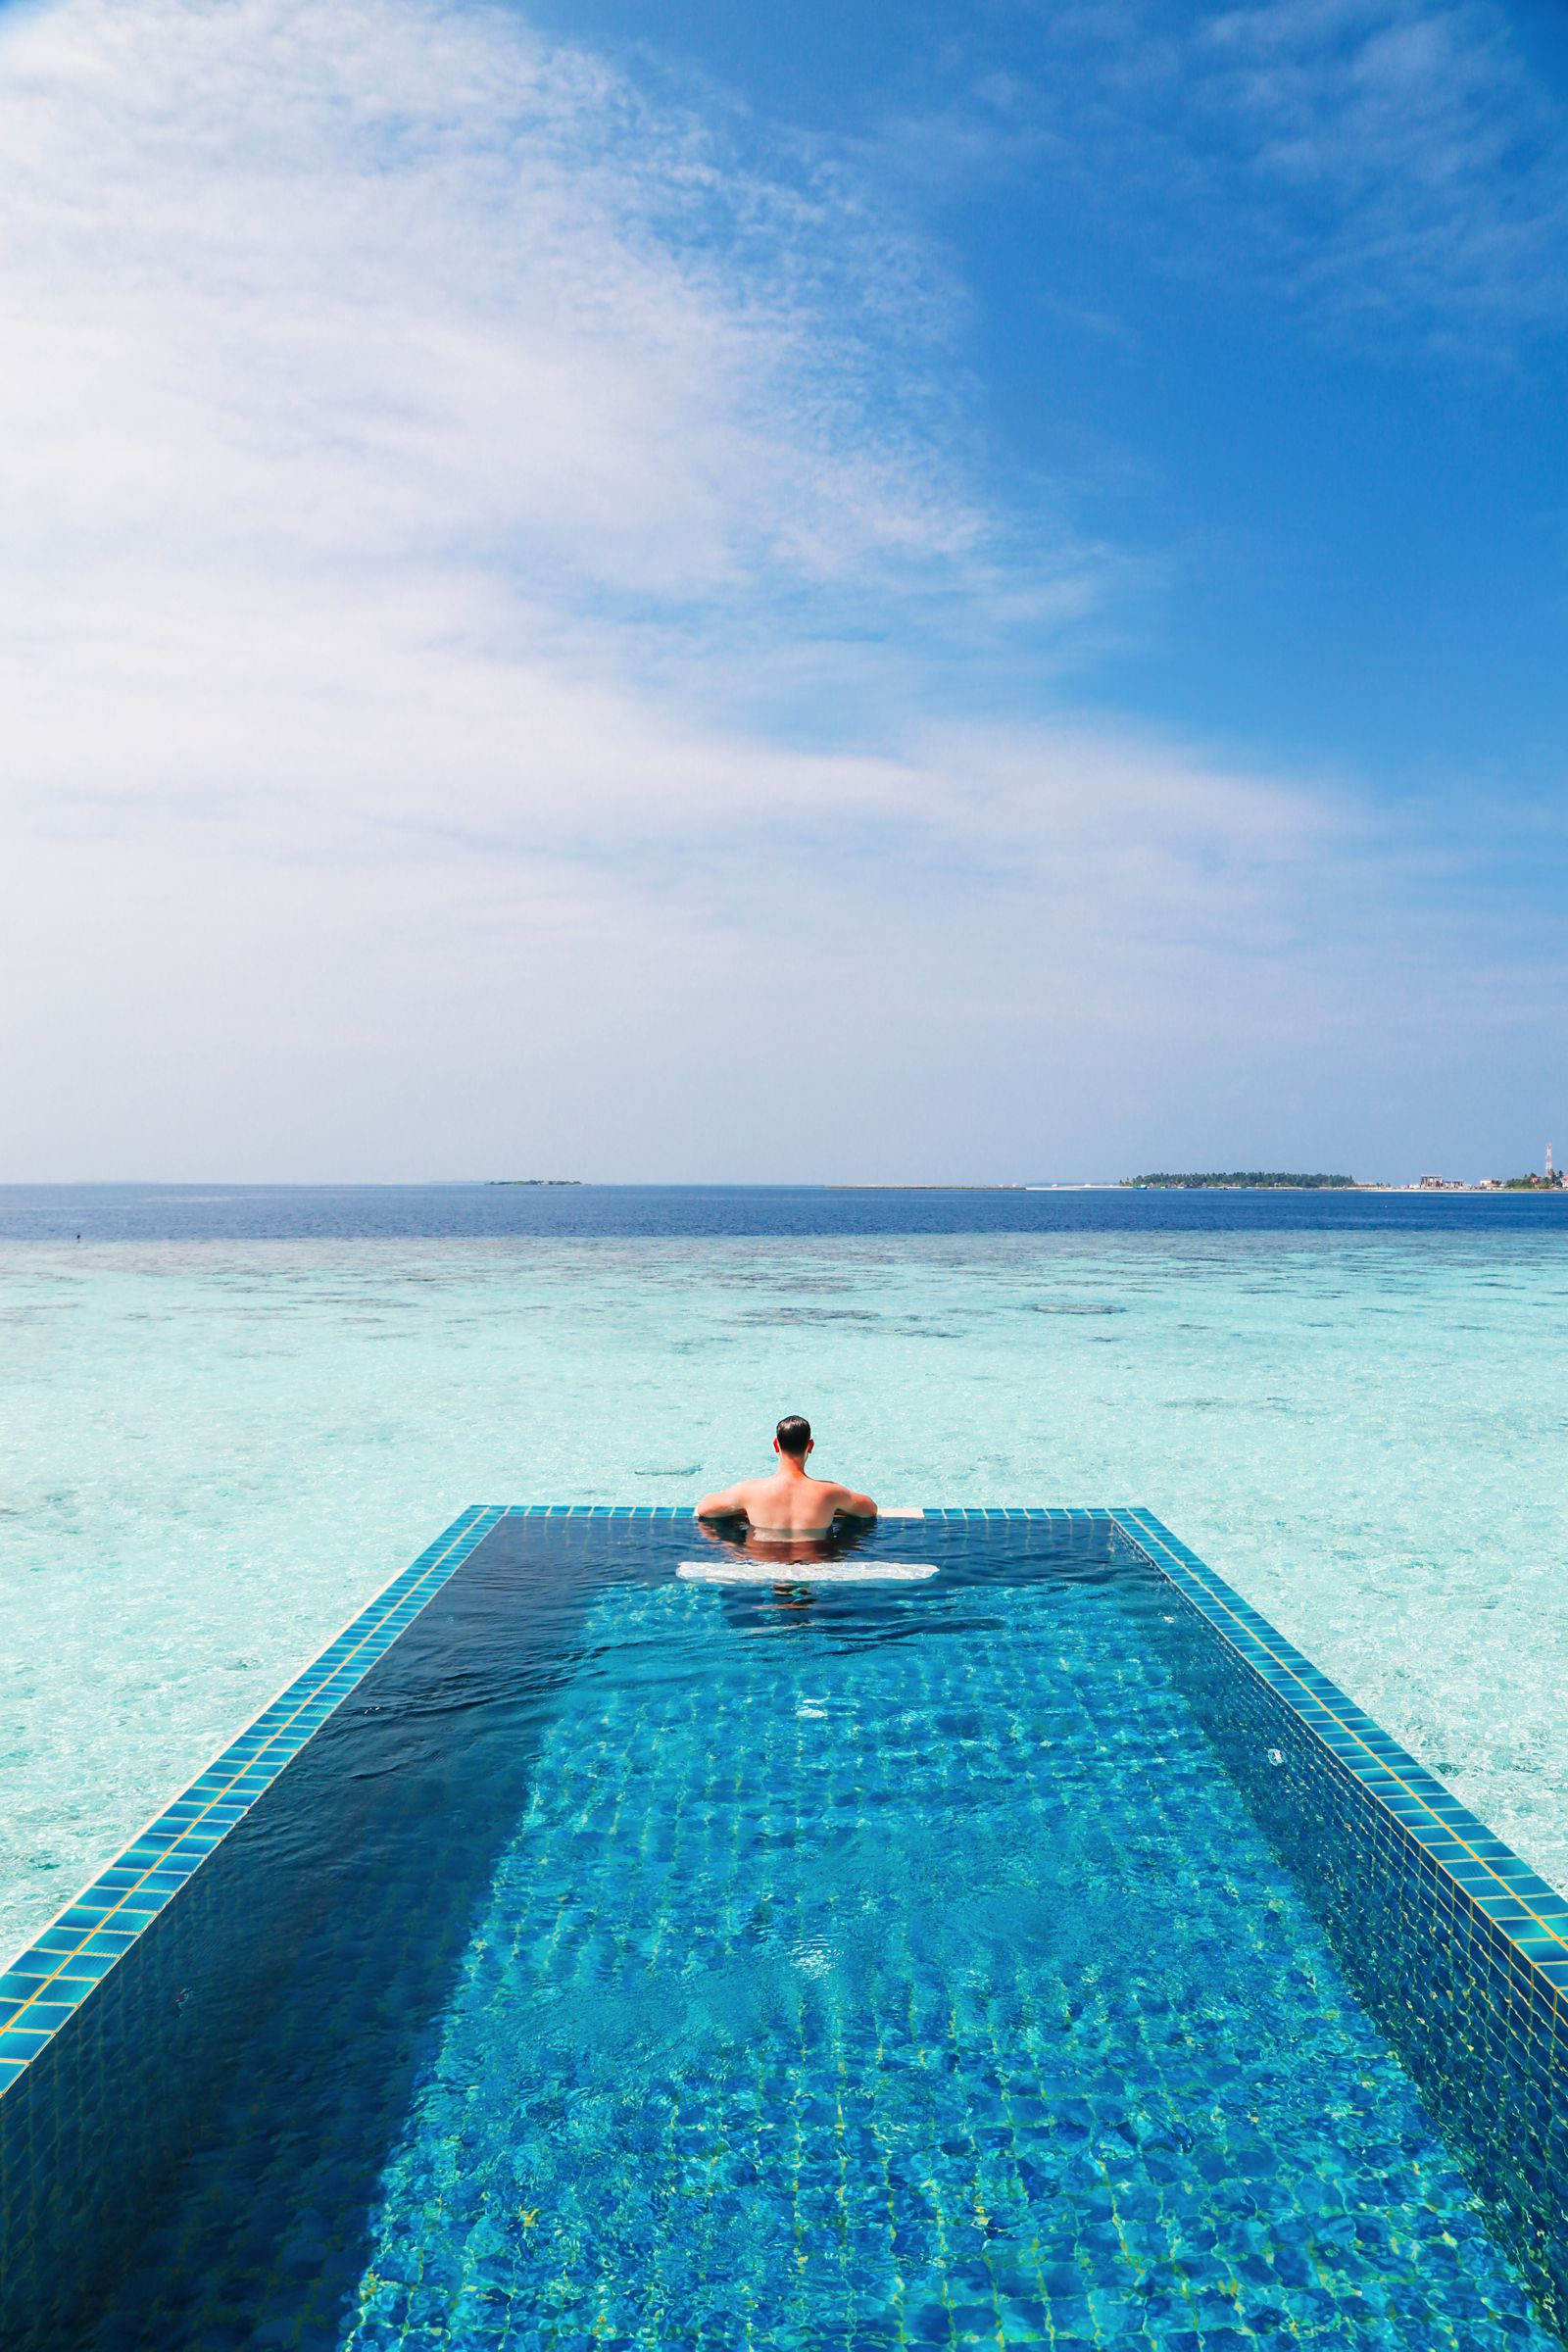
(790, 1502)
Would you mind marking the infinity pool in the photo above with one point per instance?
(639, 1963)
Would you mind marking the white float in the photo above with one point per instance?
(807, 1572)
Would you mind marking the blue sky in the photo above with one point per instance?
(581, 570)
(1268, 300)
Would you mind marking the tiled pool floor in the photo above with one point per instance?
(893, 1970)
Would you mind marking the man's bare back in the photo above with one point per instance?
(789, 1502)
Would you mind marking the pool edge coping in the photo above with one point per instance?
(1508, 1892)
(47, 1983)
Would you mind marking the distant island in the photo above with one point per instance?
(533, 1180)
(1252, 1180)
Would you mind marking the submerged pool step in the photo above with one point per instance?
(806, 1572)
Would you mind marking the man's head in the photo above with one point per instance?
(793, 1436)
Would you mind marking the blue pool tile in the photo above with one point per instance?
(21, 2042)
(41, 2014)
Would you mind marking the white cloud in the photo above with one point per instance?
(422, 459)
(432, 278)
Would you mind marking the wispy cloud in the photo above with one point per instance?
(1402, 160)
(1431, 160)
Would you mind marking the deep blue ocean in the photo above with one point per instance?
(238, 1212)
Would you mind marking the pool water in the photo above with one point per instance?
(894, 1964)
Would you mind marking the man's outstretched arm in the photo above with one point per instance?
(852, 1505)
(729, 1504)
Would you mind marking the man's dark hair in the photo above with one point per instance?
(794, 1434)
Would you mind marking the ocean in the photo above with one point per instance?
(230, 1413)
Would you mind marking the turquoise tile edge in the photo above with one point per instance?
(1487, 1875)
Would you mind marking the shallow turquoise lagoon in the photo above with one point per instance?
(212, 1451)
